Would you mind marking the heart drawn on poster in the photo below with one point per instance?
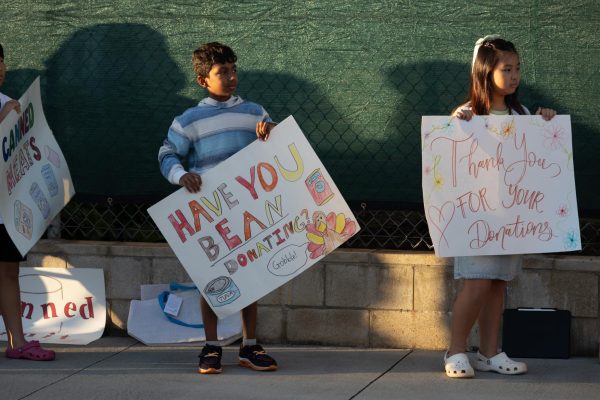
(441, 217)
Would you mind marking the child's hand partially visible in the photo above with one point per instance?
(463, 114)
(8, 106)
(263, 129)
(546, 113)
(191, 182)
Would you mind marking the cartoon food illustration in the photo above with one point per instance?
(325, 233)
(40, 199)
(23, 219)
(221, 291)
(318, 187)
(50, 180)
(52, 156)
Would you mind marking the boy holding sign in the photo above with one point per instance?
(10, 292)
(218, 127)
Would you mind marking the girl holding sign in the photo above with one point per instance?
(10, 292)
(495, 79)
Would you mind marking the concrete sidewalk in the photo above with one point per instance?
(121, 368)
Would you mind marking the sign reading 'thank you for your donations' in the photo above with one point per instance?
(34, 176)
(499, 185)
(263, 216)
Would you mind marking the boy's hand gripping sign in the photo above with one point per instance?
(35, 179)
(262, 217)
(499, 185)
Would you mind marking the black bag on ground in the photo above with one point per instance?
(536, 333)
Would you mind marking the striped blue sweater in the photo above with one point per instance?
(207, 134)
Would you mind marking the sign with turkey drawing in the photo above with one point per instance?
(262, 217)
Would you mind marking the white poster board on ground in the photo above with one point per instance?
(148, 324)
(499, 185)
(263, 216)
(61, 305)
(35, 180)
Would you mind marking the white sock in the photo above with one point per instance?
(248, 342)
(213, 342)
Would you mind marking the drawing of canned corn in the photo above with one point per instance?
(40, 199)
(318, 187)
(221, 291)
(50, 180)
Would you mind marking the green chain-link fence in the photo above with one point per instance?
(356, 75)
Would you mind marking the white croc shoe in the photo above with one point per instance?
(458, 366)
(500, 363)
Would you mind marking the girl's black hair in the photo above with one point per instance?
(480, 93)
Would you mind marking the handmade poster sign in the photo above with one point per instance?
(61, 305)
(499, 185)
(34, 176)
(263, 216)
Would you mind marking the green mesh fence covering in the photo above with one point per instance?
(357, 76)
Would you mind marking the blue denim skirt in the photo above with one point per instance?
(504, 268)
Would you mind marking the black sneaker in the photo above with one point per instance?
(256, 357)
(210, 360)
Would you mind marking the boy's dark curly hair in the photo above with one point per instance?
(1, 51)
(209, 54)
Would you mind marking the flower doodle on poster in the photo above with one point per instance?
(571, 240)
(554, 137)
(504, 131)
(325, 233)
(442, 127)
(438, 179)
(562, 211)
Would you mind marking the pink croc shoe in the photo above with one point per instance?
(31, 351)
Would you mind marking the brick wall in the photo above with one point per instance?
(362, 298)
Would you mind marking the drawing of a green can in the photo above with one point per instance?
(50, 180)
(221, 291)
(40, 199)
(318, 187)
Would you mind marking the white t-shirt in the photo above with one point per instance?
(3, 99)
